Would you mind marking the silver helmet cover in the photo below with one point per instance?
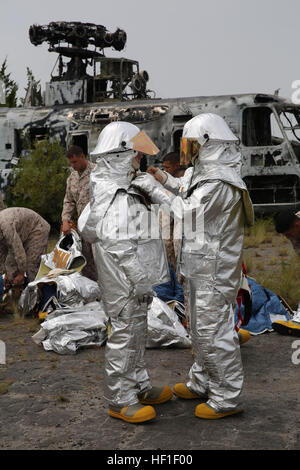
(113, 171)
(115, 137)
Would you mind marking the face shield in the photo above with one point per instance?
(142, 143)
(199, 130)
(189, 150)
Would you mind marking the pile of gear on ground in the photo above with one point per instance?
(69, 307)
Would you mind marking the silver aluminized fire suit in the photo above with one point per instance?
(128, 262)
(213, 268)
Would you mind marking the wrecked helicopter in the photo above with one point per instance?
(75, 107)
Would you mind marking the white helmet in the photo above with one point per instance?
(202, 129)
(208, 126)
(122, 136)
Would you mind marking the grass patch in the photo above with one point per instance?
(33, 324)
(22, 355)
(261, 232)
(283, 281)
(248, 261)
(259, 266)
(4, 386)
(270, 259)
(273, 261)
(53, 239)
(62, 399)
(283, 252)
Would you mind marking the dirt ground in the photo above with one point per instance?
(54, 402)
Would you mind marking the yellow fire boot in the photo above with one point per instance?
(244, 336)
(42, 315)
(133, 413)
(156, 395)
(182, 391)
(286, 327)
(206, 412)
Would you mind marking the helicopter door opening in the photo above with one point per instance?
(80, 139)
(258, 128)
(176, 140)
(38, 133)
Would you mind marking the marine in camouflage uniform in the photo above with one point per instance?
(76, 198)
(171, 230)
(167, 228)
(23, 239)
(171, 164)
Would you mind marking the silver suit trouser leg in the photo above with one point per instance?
(217, 369)
(125, 371)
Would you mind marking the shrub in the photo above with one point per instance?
(39, 181)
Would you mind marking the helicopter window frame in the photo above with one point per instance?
(288, 128)
(258, 127)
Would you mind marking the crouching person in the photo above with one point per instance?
(212, 266)
(23, 239)
(123, 274)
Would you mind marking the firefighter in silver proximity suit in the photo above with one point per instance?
(112, 222)
(212, 265)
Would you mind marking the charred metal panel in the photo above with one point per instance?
(134, 114)
(258, 159)
(11, 119)
(66, 92)
(93, 118)
(274, 191)
(19, 127)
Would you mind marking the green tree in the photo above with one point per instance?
(33, 95)
(39, 181)
(10, 87)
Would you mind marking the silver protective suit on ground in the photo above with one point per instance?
(69, 328)
(72, 289)
(128, 265)
(213, 268)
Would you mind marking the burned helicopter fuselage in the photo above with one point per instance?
(77, 109)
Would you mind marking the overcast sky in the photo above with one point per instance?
(188, 47)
